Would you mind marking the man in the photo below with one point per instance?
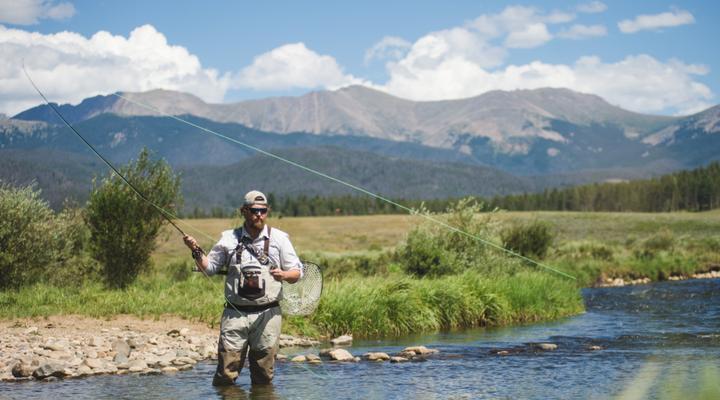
(258, 258)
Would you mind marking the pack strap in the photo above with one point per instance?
(263, 258)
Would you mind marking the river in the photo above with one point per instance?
(653, 338)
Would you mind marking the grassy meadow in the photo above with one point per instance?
(367, 292)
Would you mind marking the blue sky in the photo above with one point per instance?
(652, 56)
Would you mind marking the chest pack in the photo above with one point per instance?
(251, 284)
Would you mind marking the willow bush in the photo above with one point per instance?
(36, 244)
(123, 226)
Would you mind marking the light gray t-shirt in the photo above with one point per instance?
(248, 281)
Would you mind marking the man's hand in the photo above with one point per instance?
(278, 274)
(190, 242)
(291, 276)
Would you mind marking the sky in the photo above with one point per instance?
(654, 57)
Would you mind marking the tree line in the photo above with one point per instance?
(693, 190)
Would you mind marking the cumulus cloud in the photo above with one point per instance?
(70, 67)
(520, 26)
(579, 31)
(592, 7)
(640, 83)
(656, 21)
(389, 47)
(293, 66)
(28, 12)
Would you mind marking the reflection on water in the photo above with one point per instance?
(646, 333)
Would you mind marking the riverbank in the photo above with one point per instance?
(74, 346)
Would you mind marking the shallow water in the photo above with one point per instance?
(648, 333)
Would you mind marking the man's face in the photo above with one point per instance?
(255, 215)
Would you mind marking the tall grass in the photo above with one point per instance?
(399, 305)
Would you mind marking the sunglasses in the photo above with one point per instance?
(258, 211)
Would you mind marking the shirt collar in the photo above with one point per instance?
(263, 233)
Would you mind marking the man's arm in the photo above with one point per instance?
(290, 268)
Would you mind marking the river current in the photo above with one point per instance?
(652, 338)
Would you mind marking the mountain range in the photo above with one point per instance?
(528, 139)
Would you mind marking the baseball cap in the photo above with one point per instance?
(254, 197)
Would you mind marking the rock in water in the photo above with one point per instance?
(341, 355)
(343, 340)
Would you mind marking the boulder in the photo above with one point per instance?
(22, 370)
(137, 366)
(376, 356)
(53, 346)
(121, 347)
(49, 369)
(546, 346)
(341, 355)
(168, 370)
(595, 348)
(299, 358)
(397, 359)
(343, 340)
(312, 357)
(120, 358)
(93, 363)
(419, 350)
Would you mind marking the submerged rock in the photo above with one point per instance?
(546, 346)
(343, 340)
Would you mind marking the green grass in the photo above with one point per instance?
(367, 295)
(372, 306)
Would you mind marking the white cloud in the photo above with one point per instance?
(532, 35)
(640, 83)
(293, 66)
(578, 31)
(389, 47)
(592, 7)
(70, 67)
(28, 12)
(656, 21)
(521, 27)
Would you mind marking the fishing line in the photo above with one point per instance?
(350, 185)
(162, 211)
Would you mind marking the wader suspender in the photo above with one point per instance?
(263, 258)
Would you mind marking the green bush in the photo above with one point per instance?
(531, 240)
(123, 226)
(35, 243)
(648, 249)
(434, 250)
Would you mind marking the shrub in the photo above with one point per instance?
(434, 250)
(531, 240)
(123, 226)
(35, 243)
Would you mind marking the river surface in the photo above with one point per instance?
(650, 335)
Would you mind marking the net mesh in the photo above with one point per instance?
(303, 296)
